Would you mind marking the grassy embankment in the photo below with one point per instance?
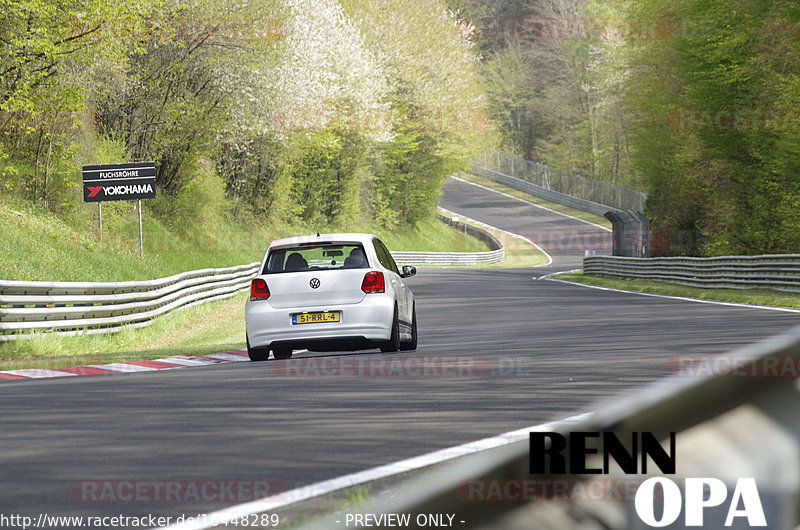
(37, 245)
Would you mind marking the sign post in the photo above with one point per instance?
(141, 239)
(120, 182)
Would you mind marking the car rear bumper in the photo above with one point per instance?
(361, 325)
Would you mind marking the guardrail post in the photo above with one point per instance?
(643, 240)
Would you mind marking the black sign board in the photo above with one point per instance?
(119, 182)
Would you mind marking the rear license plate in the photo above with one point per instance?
(316, 318)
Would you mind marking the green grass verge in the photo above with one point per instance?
(37, 245)
(766, 297)
(489, 183)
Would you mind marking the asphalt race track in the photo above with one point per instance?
(498, 351)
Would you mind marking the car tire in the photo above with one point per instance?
(282, 352)
(257, 354)
(393, 344)
(412, 344)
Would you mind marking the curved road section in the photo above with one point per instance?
(498, 351)
(565, 238)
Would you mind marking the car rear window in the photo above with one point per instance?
(313, 257)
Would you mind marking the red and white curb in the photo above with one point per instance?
(167, 363)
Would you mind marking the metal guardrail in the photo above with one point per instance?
(727, 426)
(448, 258)
(73, 308)
(456, 258)
(547, 179)
(779, 271)
(70, 308)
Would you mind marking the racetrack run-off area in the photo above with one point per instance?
(499, 350)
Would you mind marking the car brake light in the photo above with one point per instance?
(373, 282)
(258, 290)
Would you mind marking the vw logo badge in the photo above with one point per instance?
(314, 283)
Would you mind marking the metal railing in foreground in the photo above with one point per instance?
(771, 271)
(730, 425)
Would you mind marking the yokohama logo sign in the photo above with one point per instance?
(119, 182)
(119, 190)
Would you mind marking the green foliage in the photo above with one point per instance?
(323, 174)
(437, 100)
(408, 187)
(730, 182)
(201, 88)
(512, 95)
(201, 201)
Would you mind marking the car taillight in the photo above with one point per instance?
(258, 290)
(373, 282)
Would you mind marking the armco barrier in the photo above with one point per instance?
(779, 271)
(456, 258)
(69, 308)
(727, 427)
(72, 308)
(448, 258)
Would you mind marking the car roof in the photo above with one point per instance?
(324, 238)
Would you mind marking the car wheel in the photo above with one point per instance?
(257, 354)
(282, 352)
(412, 344)
(393, 344)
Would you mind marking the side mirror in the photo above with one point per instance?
(409, 271)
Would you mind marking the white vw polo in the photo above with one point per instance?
(329, 292)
